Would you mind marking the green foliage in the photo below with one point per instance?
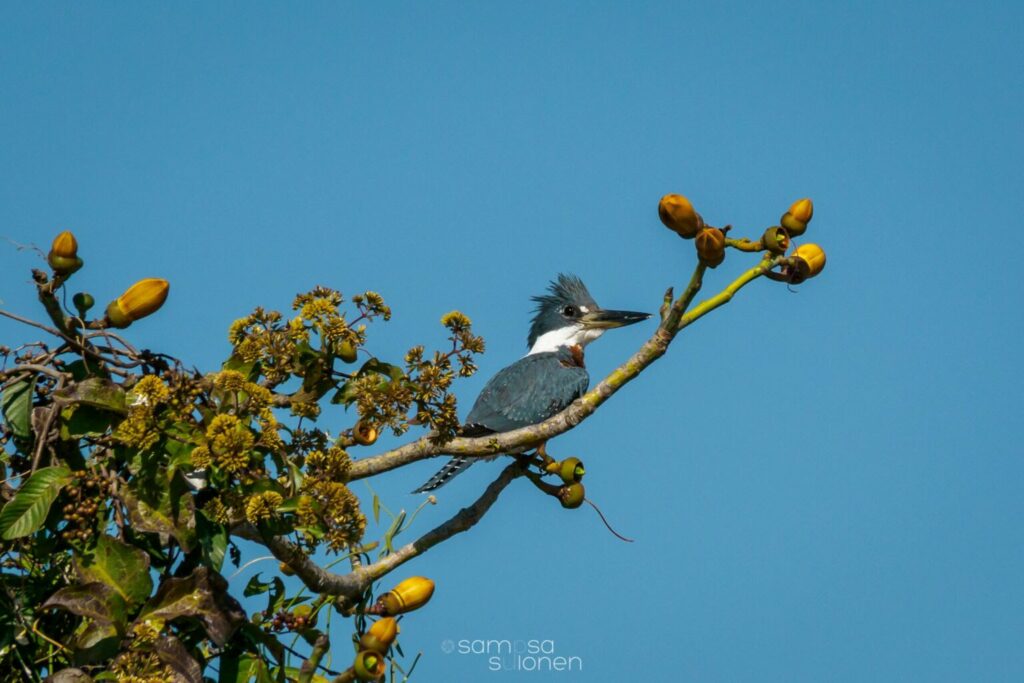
(16, 403)
(129, 479)
(25, 513)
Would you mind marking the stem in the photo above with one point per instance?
(310, 665)
(726, 295)
(743, 244)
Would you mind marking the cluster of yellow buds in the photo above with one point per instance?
(678, 215)
(407, 596)
(808, 260)
(141, 299)
(63, 256)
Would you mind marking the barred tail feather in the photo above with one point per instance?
(446, 474)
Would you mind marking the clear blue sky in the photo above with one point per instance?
(824, 486)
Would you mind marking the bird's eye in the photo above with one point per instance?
(569, 311)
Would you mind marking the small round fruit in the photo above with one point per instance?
(364, 433)
(571, 496)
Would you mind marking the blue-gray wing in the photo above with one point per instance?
(529, 391)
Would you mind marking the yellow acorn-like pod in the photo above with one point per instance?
(572, 495)
(364, 433)
(571, 470)
(802, 210)
(711, 246)
(141, 299)
(775, 240)
(810, 260)
(65, 245)
(677, 213)
(369, 665)
(346, 351)
(411, 594)
(63, 256)
(380, 635)
(799, 215)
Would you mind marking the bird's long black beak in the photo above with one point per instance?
(604, 320)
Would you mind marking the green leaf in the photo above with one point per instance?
(394, 530)
(96, 392)
(345, 394)
(78, 421)
(122, 567)
(257, 587)
(25, 513)
(97, 642)
(80, 370)
(247, 368)
(394, 372)
(201, 595)
(94, 600)
(276, 587)
(179, 454)
(261, 639)
(376, 509)
(239, 669)
(213, 541)
(16, 405)
(172, 513)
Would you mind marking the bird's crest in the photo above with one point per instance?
(565, 289)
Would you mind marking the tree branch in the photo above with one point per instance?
(674, 320)
(353, 584)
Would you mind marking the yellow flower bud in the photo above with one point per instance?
(677, 213)
(64, 245)
(410, 594)
(63, 256)
(799, 215)
(369, 666)
(802, 210)
(364, 433)
(380, 636)
(141, 299)
(571, 470)
(810, 260)
(711, 246)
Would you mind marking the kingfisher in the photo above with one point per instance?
(548, 378)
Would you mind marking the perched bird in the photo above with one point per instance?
(548, 378)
